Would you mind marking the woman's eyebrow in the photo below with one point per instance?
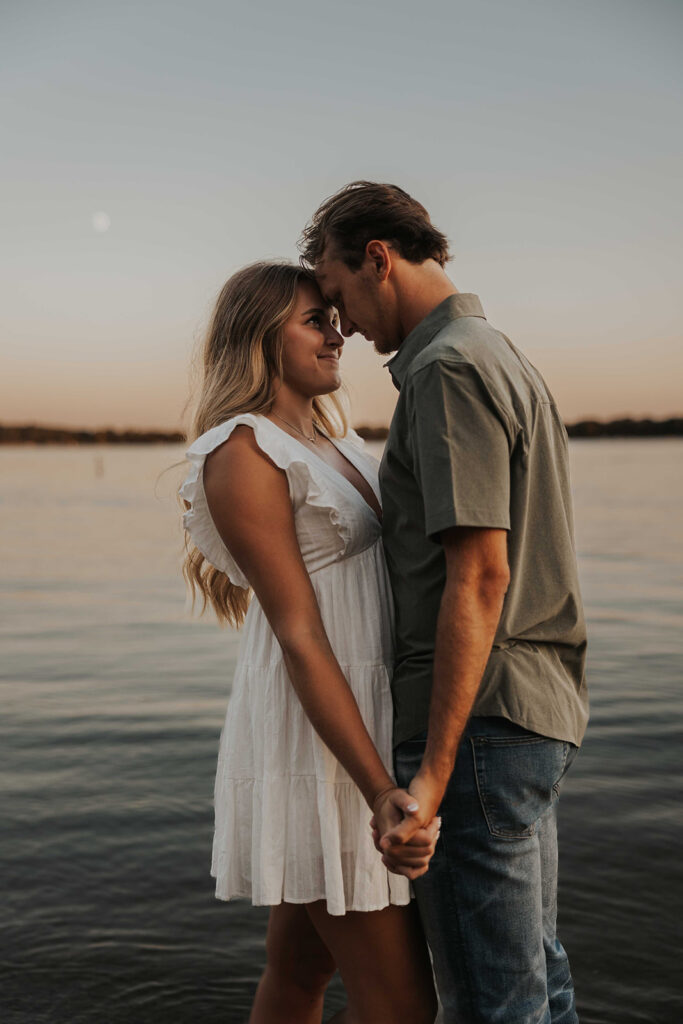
(315, 309)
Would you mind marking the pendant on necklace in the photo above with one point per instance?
(313, 440)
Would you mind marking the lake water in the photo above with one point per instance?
(113, 701)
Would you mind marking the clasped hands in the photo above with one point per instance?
(406, 828)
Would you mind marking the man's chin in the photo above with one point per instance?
(384, 347)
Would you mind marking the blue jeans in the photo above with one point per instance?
(489, 900)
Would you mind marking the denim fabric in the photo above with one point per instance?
(489, 900)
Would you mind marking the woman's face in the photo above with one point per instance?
(312, 345)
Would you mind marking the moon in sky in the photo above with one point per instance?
(101, 221)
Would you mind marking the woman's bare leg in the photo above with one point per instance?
(298, 969)
(383, 960)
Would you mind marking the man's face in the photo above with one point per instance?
(365, 304)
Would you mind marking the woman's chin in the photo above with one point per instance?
(333, 383)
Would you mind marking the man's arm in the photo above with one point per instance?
(477, 577)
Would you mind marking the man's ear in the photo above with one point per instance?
(379, 253)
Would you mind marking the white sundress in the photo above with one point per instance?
(291, 825)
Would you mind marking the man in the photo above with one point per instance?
(489, 691)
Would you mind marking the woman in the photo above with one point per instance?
(280, 503)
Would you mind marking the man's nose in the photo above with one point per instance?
(346, 326)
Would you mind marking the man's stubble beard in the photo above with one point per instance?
(384, 349)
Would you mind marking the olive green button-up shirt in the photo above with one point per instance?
(476, 440)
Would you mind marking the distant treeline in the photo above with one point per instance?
(31, 434)
(586, 428)
(627, 428)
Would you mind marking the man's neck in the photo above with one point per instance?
(420, 290)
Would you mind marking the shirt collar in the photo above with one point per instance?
(453, 307)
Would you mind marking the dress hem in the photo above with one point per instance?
(316, 899)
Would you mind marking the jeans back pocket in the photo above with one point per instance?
(517, 779)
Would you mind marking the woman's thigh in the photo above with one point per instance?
(295, 950)
(384, 963)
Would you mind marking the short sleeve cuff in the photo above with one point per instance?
(441, 520)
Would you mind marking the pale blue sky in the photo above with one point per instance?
(544, 137)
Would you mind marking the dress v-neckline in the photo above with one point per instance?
(332, 469)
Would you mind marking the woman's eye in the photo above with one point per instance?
(315, 320)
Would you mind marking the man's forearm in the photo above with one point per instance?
(466, 627)
(477, 577)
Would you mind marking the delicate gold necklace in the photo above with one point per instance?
(313, 440)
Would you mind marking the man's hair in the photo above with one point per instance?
(364, 210)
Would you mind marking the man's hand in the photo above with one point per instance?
(408, 844)
(398, 809)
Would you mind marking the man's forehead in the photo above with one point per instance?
(325, 279)
(327, 270)
(322, 267)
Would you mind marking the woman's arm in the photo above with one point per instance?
(249, 501)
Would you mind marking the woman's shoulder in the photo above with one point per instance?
(237, 447)
(250, 436)
(216, 436)
(241, 460)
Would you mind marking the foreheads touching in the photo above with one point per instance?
(353, 241)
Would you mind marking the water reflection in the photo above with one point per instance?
(114, 700)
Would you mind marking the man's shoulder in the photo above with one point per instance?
(479, 350)
(468, 342)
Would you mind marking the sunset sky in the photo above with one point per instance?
(150, 149)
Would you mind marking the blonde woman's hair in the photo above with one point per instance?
(240, 366)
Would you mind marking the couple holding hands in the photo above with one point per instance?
(410, 685)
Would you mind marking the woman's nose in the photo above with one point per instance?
(334, 338)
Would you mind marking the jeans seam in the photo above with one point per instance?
(454, 888)
(510, 741)
(565, 757)
(482, 800)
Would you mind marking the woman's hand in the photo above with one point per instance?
(412, 857)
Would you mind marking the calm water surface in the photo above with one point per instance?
(113, 702)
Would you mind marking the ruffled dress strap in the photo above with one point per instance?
(354, 439)
(307, 486)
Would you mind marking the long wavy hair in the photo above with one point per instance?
(239, 371)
